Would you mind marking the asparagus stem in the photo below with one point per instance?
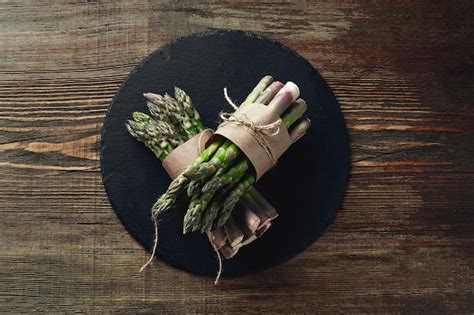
(259, 212)
(284, 98)
(220, 162)
(224, 155)
(224, 158)
(257, 90)
(296, 110)
(299, 129)
(263, 204)
(161, 150)
(269, 93)
(249, 235)
(233, 232)
(247, 217)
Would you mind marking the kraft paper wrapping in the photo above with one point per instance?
(181, 157)
(242, 136)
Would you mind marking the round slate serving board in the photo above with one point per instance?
(305, 187)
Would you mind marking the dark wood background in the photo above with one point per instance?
(403, 240)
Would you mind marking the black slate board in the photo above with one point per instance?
(306, 186)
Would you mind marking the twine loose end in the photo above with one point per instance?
(155, 245)
(227, 98)
(219, 259)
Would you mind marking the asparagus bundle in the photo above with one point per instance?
(222, 174)
(161, 133)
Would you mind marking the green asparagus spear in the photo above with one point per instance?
(161, 111)
(234, 197)
(289, 117)
(226, 154)
(212, 212)
(139, 135)
(179, 112)
(158, 130)
(234, 174)
(257, 90)
(296, 132)
(296, 110)
(224, 160)
(185, 101)
(142, 131)
(140, 117)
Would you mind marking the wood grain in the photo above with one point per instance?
(403, 238)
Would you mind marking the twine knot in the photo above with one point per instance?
(256, 131)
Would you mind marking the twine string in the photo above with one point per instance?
(155, 243)
(227, 98)
(219, 260)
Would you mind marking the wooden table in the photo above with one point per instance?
(403, 240)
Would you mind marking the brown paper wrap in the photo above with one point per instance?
(262, 146)
(181, 157)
